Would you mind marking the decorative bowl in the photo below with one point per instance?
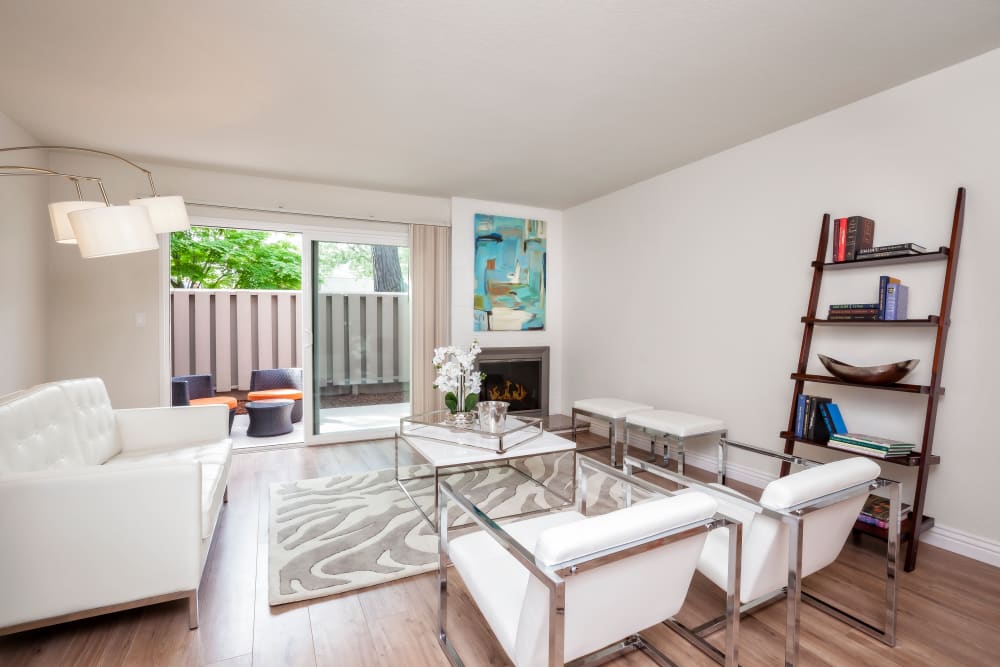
(881, 374)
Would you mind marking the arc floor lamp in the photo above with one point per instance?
(98, 227)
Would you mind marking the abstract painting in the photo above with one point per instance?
(510, 274)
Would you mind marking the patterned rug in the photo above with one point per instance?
(336, 534)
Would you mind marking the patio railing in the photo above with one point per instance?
(231, 332)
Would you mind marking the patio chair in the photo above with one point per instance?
(565, 586)
(798, 527)
(271, 383)
(199, 390)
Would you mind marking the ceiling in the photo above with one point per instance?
(544, 102)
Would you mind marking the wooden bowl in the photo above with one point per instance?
(881, 374)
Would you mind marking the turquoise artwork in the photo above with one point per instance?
(510, 274)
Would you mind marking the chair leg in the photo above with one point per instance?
(613, 439)
(193, 609)
(794, 593)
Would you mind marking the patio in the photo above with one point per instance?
(332, 421)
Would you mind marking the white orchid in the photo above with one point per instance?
(456, 375)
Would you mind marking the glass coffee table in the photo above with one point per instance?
(532, 460)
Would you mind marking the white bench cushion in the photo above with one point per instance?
(612, 408)
(680, 424)
(214, 459)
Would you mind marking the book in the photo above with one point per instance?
(836, 443)
(800, 415)
(851, 241)
(876, 511)
(888, 253)
(815, 429)
(883, 282)
(902, 302)
(824, 413)
(875, 440)
(865, 235)
(836, 317)
(891, 294)
(839, 239)
(854, 311)
(853, 306)
(911, 248)
(839, 426)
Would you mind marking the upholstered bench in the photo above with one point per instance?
(610, 410)
(672, 427)
(269, 417)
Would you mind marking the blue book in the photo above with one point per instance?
(902, 302)
(883, 282)
(838, 419)
(891, 298)
(800, 415)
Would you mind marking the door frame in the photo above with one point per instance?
(336, 230)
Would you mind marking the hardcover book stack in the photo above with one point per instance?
(851, 235)
(892, 304)
(869, 445)
(817, 418)
(876, 511)
(895, 250)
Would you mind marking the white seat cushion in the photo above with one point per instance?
(612, 408)
(214, 458)
(680, 424)
(495, 579)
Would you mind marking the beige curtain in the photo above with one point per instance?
(430, 267)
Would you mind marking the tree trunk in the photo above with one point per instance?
(385, 264)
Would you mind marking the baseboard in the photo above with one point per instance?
(963, 543)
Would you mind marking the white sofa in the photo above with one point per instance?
(102, 509)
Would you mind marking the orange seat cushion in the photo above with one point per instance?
(228, 401)
(265, 394)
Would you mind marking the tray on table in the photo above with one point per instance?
(433, 426)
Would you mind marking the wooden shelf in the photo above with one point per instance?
(829, 379)
(929, 321)
(912, 459)
(905, 528)
(941, 254)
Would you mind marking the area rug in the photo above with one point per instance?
(335, 534)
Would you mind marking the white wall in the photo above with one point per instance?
(463, 245)
(24, 222)
(94, 303)
(686, 290)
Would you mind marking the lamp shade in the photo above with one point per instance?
(167, 213)
(59, 215)
(113, 230)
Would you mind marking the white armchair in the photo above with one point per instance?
(798, 527)
(104, 509)
(552, 587)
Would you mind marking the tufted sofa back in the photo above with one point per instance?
(63, 424)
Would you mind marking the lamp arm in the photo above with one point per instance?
(37, 171)
(149, 174)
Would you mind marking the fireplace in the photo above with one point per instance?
(517, 375)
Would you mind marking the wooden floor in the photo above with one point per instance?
(949, 609)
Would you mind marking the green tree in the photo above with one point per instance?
(388, 266)
(219, 258)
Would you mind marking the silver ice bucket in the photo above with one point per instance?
(492, 415)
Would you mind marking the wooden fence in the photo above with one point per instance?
(229, 333)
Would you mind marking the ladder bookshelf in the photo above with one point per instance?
(924, 458)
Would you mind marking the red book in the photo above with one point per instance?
(840, 240)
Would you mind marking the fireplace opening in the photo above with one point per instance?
(519, 376)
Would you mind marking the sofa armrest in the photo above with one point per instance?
(167, 428)
(94, 536)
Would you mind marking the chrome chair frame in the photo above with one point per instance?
(793, 517)
(554, 577)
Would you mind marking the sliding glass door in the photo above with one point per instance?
(358, 345)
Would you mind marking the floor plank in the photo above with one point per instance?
(948, 607)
